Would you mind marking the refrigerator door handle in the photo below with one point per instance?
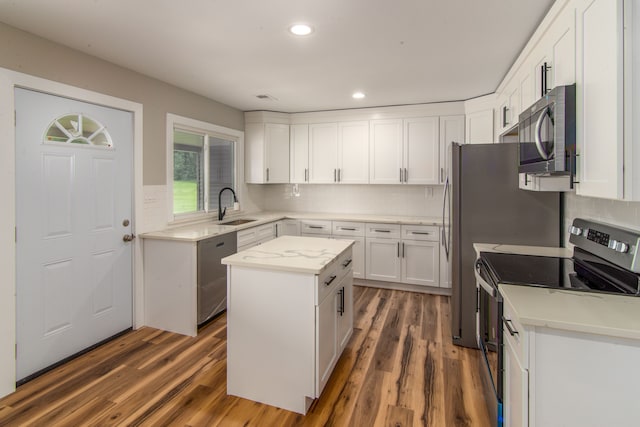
(445, 237)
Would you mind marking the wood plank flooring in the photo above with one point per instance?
(399, 369)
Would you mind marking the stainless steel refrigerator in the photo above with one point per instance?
(488, 207)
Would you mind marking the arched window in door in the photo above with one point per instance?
(77, 128)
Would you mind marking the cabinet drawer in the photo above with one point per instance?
(315, 227)
(420, 232)
(345, 263)
(327, 281)
(344, 228)
(253, 235)
(518, 337)
(383, 231)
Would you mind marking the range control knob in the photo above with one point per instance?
(576, 231)
(612, 244)
(622, 247)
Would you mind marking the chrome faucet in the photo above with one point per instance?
(221, 211)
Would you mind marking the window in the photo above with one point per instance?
(77, 129)
(203, 162)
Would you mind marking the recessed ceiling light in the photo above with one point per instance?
(358, 95)
(300, 29)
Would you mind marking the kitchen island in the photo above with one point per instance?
(289, 317)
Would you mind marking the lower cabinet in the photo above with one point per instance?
(288, 227)
(406, 254)
(334, 322)
(257, 235)
(516, 387)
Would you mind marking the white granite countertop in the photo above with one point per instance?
(205, 229)
(588, 312)
(291, 253)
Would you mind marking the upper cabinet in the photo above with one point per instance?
(267, 153)
(451, 130)
(600, 96)
(405, 151)
(299, 153)
(338, 153)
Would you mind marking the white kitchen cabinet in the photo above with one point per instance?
(420, 255)
(353, 152)
(250, 237)
(405, 151)
(353, 231)
(385, 152)
(323, 153)
(516, 387)
(288, 227)
(421, 151)
(299, 153)
(403, 254)
(600, 98)
(327, 328)
(479, 127)
(344, 316)
(558, 377)
(383, 260)
(338, 153)
(315, 228)
(420, 262)
(527, 89)
(451, 130)
(267, 153)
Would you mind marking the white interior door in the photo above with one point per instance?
(73, 207)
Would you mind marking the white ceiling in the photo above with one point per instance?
(397, 52)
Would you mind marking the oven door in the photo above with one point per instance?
(489, 336)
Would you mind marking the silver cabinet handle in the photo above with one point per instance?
(306, 174)
(424, 233)
(382, 231)
(267, 174)
(335, 174)
(339, 175)
(316, 226)
(398, 249)
(508, 323)
(347, 229)
(402, 249)
(400, 174)
(406, 175)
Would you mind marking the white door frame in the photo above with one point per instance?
(8, 81)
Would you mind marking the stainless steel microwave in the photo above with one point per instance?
(547, 134)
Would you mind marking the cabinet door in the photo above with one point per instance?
(420, 262)
(254, 156)
(543, 75)
(479, 127)
(288, 227)
(527, 89)
(326, 340)
(599, 98)
(563, 49)
(516, 388)
(421, 154)
(345, 312)
(385, 152)
(299, 153)
(445, 263)
(277, 153)
(323, 153)
(353, 152)
(382, 259)
(451, 130)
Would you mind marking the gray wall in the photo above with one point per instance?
(27, 53)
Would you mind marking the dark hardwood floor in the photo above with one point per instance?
(399, 369)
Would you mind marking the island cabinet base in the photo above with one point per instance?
(286, 331)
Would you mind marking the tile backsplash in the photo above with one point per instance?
(406, 200)
(625, 214)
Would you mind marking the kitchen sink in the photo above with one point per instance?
(237, 222)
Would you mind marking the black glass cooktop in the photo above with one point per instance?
(584, 272)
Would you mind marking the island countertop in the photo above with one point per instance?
(291, 253)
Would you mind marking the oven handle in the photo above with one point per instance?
(538, 137)
(491, 290)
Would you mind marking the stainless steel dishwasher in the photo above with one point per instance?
(212, 275)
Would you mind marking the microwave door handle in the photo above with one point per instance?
(538, 137)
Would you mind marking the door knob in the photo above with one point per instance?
(128, 237)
